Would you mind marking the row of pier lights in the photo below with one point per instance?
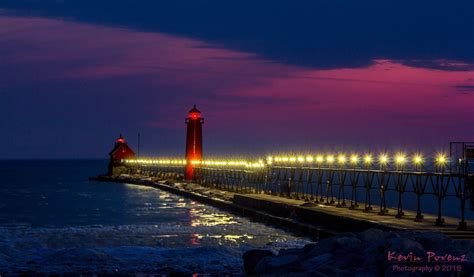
(399, 161)
(179, 162)
(313, 178)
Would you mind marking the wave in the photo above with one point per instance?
(163, 248)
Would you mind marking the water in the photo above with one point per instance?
(52, 219)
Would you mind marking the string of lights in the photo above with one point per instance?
(156, 161)
(213, 163)
(380, 161)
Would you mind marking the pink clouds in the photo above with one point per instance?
(239, 93)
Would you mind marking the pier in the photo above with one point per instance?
(326, 191)
(332, 200)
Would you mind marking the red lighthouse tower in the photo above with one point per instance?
(193, 140)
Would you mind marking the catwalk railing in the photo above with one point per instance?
(367, 188)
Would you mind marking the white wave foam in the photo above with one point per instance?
(158, 248)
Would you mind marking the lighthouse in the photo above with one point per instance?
(120, 152)
(194, 123)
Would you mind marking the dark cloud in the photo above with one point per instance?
(465, 88)
(439, 64)
(320, 34)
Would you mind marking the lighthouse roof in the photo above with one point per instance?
(121, 150)
(194, 110)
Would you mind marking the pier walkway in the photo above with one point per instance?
(314, 219)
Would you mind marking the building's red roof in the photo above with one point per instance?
(121, 150)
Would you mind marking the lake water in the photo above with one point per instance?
(52, 219)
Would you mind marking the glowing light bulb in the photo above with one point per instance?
(354, 159)
(309, 159)
(441, 159)
(417, 159)
(368, 159)
(330, 159)
(341, 159)
(400, 159)
(319, 159)
(383, 159)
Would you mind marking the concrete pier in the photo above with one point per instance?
(298, 216)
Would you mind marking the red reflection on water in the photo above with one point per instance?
(194, 239)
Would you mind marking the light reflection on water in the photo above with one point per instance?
(184, 223)
(201, 217)
(61, 220)
(202, 224)
(62, 202)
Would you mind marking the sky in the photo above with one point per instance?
(268, 76)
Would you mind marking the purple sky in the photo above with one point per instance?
(68, 88)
